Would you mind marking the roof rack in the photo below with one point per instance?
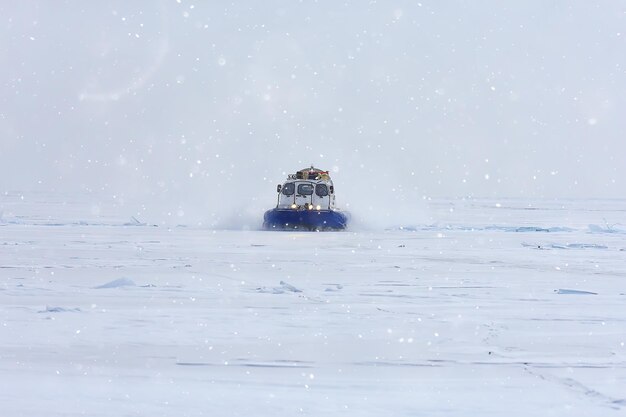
(311, 174)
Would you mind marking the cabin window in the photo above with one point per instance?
(288, 188)
(305, 189)
(321, 190)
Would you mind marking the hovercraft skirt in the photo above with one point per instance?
(304, 219)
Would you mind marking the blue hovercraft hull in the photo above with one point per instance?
(304, 219)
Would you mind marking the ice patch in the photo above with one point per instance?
(289, 287)
(463, 228)
(284, 288)
(580, 246)
(59, 310)
(279, 363)
(121, 282)
(530, 229)
(194, 364)
(571, 292)
(594, 228)
(564, 246)
(134, 222)
(334, 287)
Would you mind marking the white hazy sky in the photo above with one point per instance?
(173, 106)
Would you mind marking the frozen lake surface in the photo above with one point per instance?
(493, 308)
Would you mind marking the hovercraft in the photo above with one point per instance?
(306, 201)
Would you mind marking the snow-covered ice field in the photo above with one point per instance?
(493, 308)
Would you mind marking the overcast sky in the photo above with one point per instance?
(173, 107)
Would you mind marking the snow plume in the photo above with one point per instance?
(382, 200)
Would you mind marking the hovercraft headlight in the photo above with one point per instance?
(294, 206)
(318, 207)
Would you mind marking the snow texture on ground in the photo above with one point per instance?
(496, 308)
